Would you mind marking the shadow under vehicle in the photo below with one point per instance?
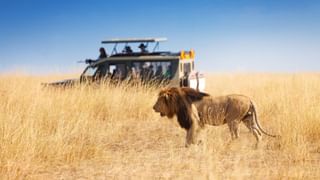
(174, 69)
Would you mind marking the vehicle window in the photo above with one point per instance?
(168, 71)
(90, 71)
(118, 71)
(186, 68)
(112, 68)
(147, 70)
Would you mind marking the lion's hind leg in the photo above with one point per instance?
(230, 125)
(249, 123)
(234, 127)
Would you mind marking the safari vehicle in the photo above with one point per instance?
(160, 67)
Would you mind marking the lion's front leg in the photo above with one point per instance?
(193, 131)
(189, 138)
(193, 136)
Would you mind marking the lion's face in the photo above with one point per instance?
(164, 104)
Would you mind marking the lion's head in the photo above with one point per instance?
(166, 103)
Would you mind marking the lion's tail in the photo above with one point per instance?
(258, 124)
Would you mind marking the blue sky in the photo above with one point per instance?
(40, 36)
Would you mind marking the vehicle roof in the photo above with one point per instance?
(133, 40)
(138, 58)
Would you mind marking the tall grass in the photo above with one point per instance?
(112, 132)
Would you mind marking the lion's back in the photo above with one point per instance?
(239, 101)
(212, 110)
(216, 110)
(238, 106)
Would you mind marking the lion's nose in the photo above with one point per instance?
(154, 108)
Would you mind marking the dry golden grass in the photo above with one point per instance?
(112, 132)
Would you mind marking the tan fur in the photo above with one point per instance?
(195, 109)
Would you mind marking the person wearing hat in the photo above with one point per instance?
(143, 48)
(127, 49)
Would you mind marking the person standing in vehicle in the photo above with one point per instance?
(167, 74)
(103, 53)
(159, 72)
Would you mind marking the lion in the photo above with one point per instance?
(195, 109)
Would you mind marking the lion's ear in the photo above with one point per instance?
(166, 95)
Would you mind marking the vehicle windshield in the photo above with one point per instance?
(90, 71)
(153, 69)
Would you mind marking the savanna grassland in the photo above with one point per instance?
(104, 132)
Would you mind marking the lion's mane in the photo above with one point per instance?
(178, 102)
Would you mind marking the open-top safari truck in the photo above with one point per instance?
(160, 67)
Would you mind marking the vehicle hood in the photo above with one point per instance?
(62, 83)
